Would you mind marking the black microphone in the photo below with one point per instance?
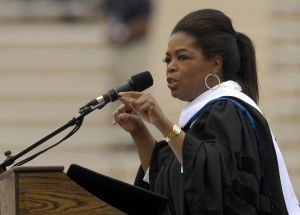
(137, 82)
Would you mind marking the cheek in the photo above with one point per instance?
(190, 84)
(195, 76)
(193, 81)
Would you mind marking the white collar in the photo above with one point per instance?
(228, 88)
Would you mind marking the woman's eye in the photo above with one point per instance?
(182, 57)
(167, 60)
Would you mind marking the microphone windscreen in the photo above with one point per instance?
(142, 81)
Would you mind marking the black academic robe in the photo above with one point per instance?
(225, 170)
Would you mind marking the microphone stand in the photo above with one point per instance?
(10, 159)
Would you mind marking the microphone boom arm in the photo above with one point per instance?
(10, 159)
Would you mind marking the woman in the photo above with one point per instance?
(221, 158)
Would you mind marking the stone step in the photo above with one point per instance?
(20, 9)
(287, 134)
(289, 91)
(284, 106)
(279, 55)
(18, 86)
(285, 30)
(54, 58)
(52, 35)
(281, 6)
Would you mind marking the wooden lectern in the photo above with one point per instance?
(47, 190)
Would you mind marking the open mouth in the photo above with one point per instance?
(172, 83)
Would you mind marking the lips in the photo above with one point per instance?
(172, 83)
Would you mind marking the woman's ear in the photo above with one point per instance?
(217, 65)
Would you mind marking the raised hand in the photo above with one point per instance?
(128, 119)
(143, 105)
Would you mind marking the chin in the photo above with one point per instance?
(177, 95)
(174, 94)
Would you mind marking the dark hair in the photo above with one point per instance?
(215, 36)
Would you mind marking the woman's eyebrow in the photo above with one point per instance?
(177, 51)
(180, 50)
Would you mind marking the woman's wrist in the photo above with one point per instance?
(140, 131)
(165, 126)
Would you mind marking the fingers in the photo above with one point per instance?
(118, 114)
(132, 94)
(146, 104)
(138, 107)
(137, 101)
(122, 119)
(143, 105)
(128, 101)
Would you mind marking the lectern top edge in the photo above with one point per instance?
(32, 169)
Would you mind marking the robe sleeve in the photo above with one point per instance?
(221, 163)
(157, 160)
(139, 179)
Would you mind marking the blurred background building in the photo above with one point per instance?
(56, 55)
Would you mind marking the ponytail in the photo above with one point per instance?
(247, 72)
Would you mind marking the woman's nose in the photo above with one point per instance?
(172, 66)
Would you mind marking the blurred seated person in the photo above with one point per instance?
(128, 20)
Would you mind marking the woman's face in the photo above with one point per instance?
(186, 67)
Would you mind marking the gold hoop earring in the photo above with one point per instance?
(215, 76)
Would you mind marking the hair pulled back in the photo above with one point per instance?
(215, 36)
